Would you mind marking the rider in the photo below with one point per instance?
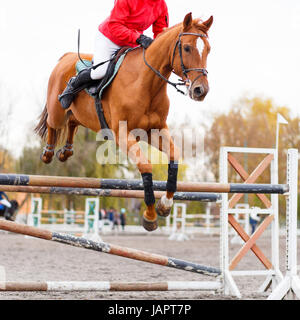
(124, 27)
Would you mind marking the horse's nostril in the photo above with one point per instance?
(198, 91)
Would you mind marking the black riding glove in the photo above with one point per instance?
(144, 41)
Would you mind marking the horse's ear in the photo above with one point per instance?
(208, 22)
(187, 22)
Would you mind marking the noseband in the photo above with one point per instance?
(184, 70)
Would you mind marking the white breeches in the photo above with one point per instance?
(104, 48)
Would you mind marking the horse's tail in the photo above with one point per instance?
(41, 128)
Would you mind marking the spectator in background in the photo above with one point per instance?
(110, 217)
(3, 196)
(123, 218)
(102, 216)
(116, 220)
(254, 218)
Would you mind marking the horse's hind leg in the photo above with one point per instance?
(48, 151)
(67, 150)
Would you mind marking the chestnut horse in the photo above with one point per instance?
(138, 95)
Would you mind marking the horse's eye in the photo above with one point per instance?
(187, 49)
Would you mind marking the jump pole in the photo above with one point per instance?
(90, 221)
(109, 286)
(138, 194)
(290, 285)
(109, 248)
(77, 182)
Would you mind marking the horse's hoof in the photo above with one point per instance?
(63, 154)
(150, 225)
(46, 159)
(60, 156)
(164, 206)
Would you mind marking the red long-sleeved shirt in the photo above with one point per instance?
(129, 18)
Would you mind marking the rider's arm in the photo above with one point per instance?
(117, 25)
(161, 22)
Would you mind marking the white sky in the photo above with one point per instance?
(255, 51)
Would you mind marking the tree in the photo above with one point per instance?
(6, 107)
(251, 123)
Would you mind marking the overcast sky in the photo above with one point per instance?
(255, 51)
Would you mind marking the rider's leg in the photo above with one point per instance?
(104, 48)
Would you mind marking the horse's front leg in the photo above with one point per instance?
(166, 145)
(132, 149)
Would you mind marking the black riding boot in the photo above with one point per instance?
(75, 84)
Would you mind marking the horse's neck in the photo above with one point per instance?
(159, 55)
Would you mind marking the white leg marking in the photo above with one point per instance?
(166, 202)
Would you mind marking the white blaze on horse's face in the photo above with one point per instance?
(200, 46)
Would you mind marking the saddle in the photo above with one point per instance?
(97, 87)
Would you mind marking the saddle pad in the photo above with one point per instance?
(117, 67)
(80, 66)
(88, 64)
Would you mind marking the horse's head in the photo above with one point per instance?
(190, 56)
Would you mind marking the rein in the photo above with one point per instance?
(164, 78)
(184, 70)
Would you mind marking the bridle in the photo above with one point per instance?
(183, 68)
(185, 71)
